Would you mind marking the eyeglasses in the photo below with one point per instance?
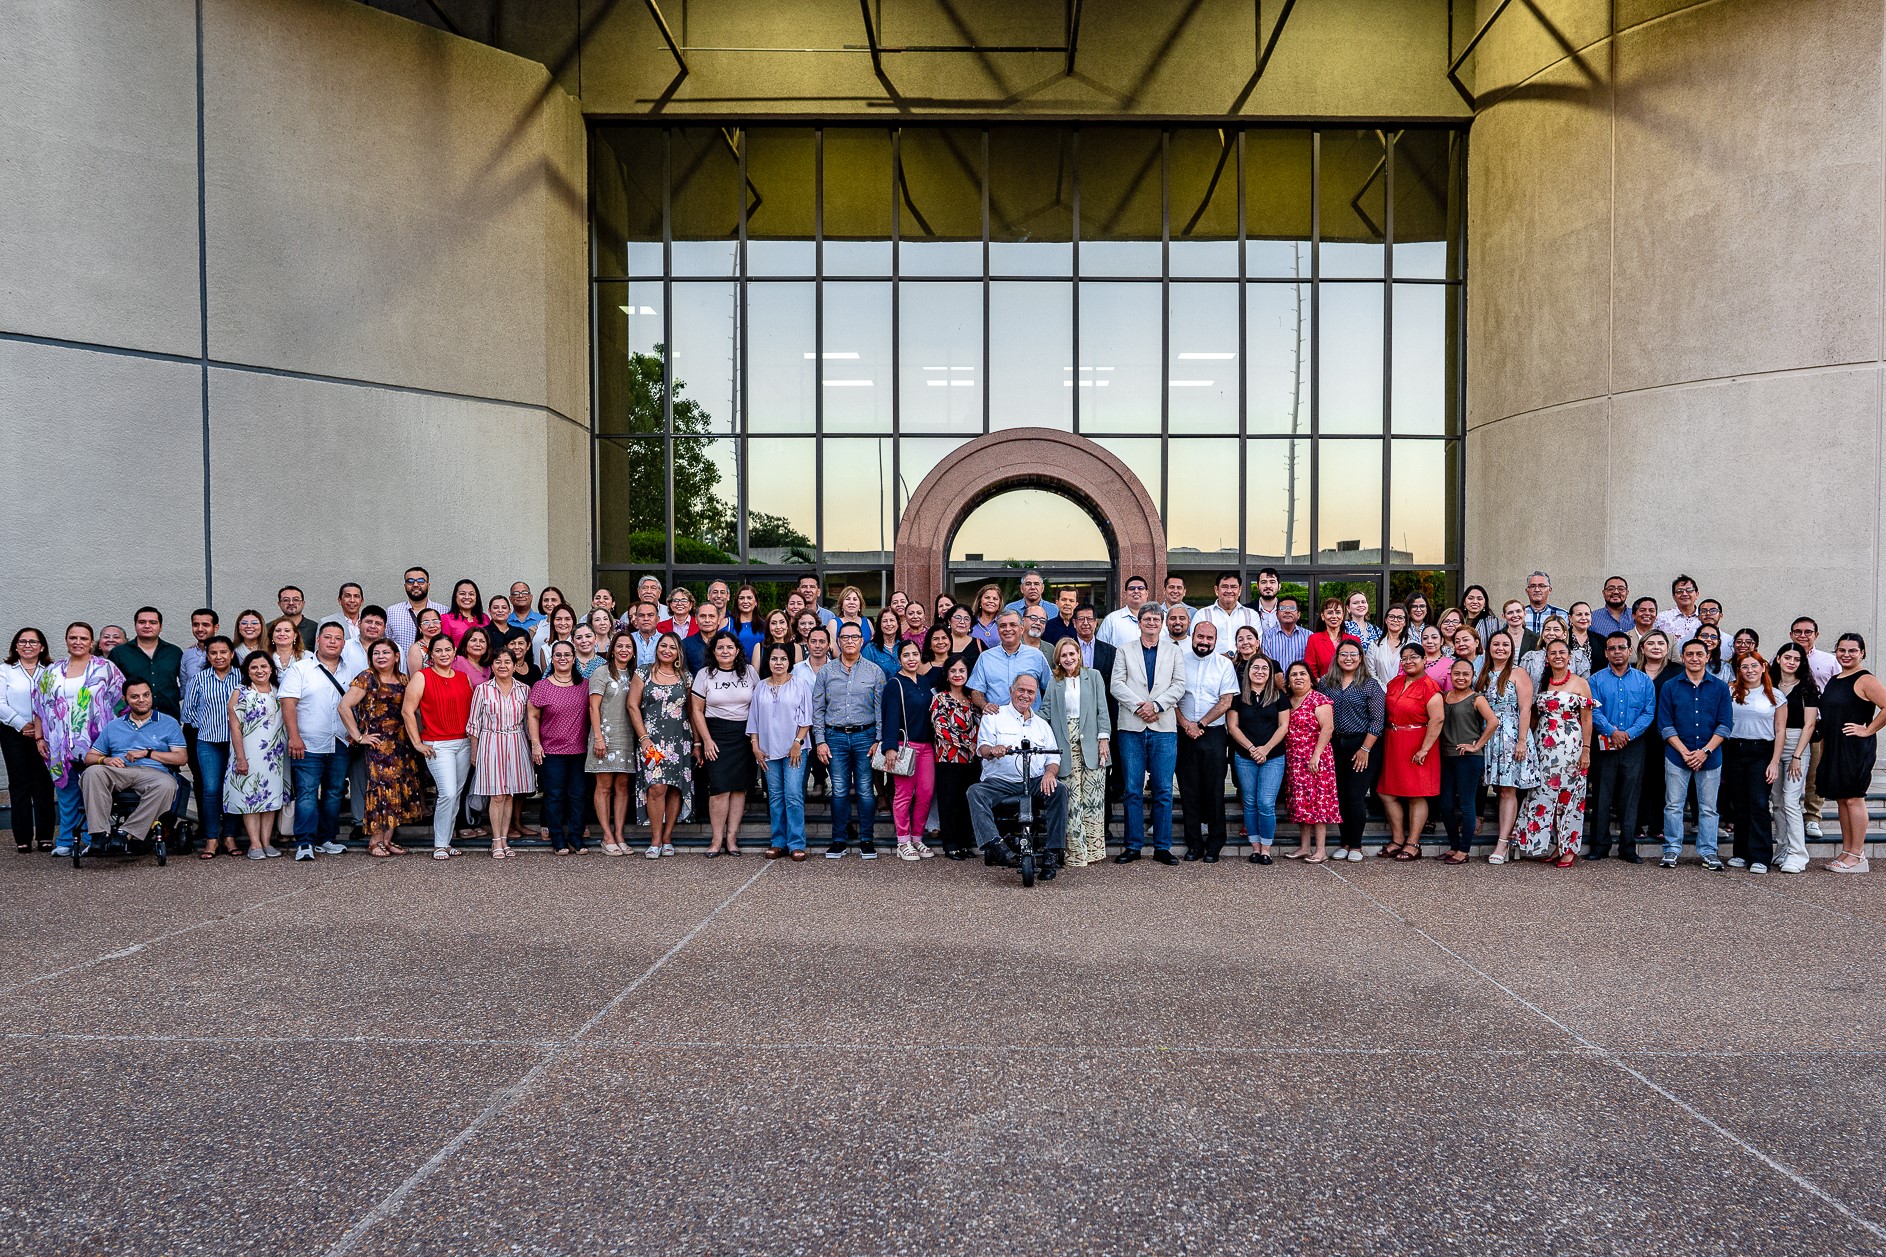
(415, 580)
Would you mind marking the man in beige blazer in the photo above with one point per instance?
(1148, 680)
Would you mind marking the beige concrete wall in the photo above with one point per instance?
(396, 250)
(1675, 344)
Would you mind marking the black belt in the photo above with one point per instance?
(846, 728)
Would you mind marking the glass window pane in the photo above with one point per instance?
(1423, 480)
(1419, 402)
(1117, 378)
(782, 374)
(1277, 358)
(628, 357)
(857, 189)
(940, 207)
(1202, 508)
(1354, 204)
(872, 583)
(1204, 176)
(706, 201)
(781, 171)
(706, 326)
(706, 499)
(625, 165)
(1438, 587)
(940, 361)
(1203, 372)
(1031, 200)
(917, 457)
(1349, 502)
(1031, 347)
(631, 501)
(857, 367)
(1276, 502)
(1349, 358)
(782, 506)
(1425, 208)
(1277, 204)
(1029, 526)
(1120, 172)
(858, 501)
(1142, 457)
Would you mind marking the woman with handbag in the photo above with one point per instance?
(908, 751)
(1075, 706)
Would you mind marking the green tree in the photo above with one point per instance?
(701, 516)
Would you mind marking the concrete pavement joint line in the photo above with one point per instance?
(268, 1040)
(134, 948)
(502, 1100)
(1610, 1058)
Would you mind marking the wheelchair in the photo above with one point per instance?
(173, 829)
(1023, 831)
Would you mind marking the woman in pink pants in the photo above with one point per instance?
(906, 722)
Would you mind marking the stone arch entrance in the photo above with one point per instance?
(1019, 458)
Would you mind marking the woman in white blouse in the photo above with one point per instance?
(1384, 657)
(35, 811)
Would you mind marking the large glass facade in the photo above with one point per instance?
(794, 324)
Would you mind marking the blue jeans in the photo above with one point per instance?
(785, 803)
(319, 777)
(71, 800)
(851, 778)
(1460, 786)
(1259, 785)
(1142, 751)
(1676, 788)
(212, 767)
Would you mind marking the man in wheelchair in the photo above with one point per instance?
(998, 742)
(139, 752)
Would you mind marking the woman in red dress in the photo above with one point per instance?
(1411, 770)
(1321, 651)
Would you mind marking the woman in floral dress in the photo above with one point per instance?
(256, 788)
(658, 708)
(953, 716)
(371, 712)
(73, 702)
(1311, 764)
(612, 742)
(1561, 739)
(1510, 764)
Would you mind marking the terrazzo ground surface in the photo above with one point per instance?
(732, 1056)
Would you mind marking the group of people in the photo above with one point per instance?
(1579, 730)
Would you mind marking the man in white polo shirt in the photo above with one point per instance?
(311, 691)
(1228, 615)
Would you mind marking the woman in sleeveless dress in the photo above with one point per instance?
(371, 712)
(1510, 766)
(1853, 709)
(1561, 739)
(257, 785)
(658, 708)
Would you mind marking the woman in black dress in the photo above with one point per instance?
(1853, 709)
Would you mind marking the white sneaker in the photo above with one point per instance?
(304, 852)
(653, 853)
(667, 848)
(1758, 868)
(907, 852)
(1355, 855)
(331, 848)
(1794, 866)
(1737, 862)
(1812, 829)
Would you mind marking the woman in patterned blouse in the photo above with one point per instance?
(954, 719)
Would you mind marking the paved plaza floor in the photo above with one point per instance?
(735, 1056)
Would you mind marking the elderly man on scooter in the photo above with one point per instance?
(1002, 732)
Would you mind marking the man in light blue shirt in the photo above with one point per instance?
(997, 668)
(1615, 615)
(140, 750)
(1033, 586)
(1539, 607)
(523, 615)
(1624, 703)
(1285, 644)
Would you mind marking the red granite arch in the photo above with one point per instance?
(1022, 458)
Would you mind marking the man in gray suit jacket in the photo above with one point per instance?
(1148, 680)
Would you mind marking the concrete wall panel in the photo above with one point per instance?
(98, 192)
(1533, 507)
(1539, 244)
(107, 509)
(316, 483)
(1766, 492)
(1531, 36)
(566, 499)
(1749, 215)
(382, 200)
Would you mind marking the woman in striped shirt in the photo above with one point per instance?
(206, 709)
